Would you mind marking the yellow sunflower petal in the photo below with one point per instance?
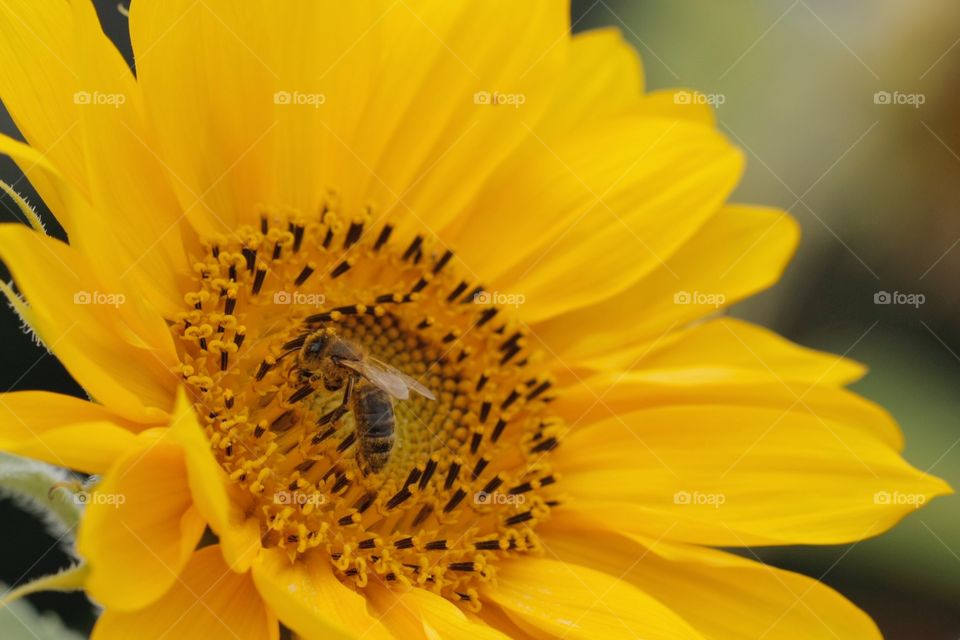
(140, 527)
(124, 174)
(310, 600)
(720, 594)
(497, 618)
(225, 147)
(603, 77)
(735, 476)
(748, 249)
(209, 601)
(38, 80)
(419, 614)
(118, 353)
(63, 430)
(41, 173)
(213, 143)
(298, 107)
(214, 495)
(76, 101)
(435, 141)
(676, 103)
(568, 600)
(729, 342)
(599, 208)
(612, 394)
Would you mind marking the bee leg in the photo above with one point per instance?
(305, 390)
(336, 414)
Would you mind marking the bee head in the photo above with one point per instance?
(316, 347)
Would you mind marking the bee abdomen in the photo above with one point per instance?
(376, 423)
(375, 451)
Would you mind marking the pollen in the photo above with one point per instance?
(468, 475)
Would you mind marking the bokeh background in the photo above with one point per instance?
(876, 189)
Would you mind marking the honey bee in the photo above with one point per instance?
(369, 387)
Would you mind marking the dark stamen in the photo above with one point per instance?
(427, 473)
(320, 437)
(472, 296)
(304, 274)
(258, 279)
(493, 485)
(455, 500)
(251, 257)
(301, 393)
(365, 501)
(422, 515)
(510, 400)
(383, 237)
(460, 288)
(413, 248)
(540, 389)
(487, 545)
(340, 269)
(519, 518)
(547, 445)
(346, 442)
(398, 498)
(475, 442)
(353, 234)
(487, 316)
(452, 475)
(442, 262)
(478, 469)
(297, 237)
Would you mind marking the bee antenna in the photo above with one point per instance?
(297, 342)
(286, 353)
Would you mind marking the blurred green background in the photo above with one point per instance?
(875, 188)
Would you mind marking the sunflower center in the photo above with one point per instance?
(305, 342)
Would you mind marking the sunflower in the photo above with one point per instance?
(399, 320)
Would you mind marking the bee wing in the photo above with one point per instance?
(411, 383)
(419, 388)
(383, 378)
(388, 378)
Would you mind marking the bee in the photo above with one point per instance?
(369, 388)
